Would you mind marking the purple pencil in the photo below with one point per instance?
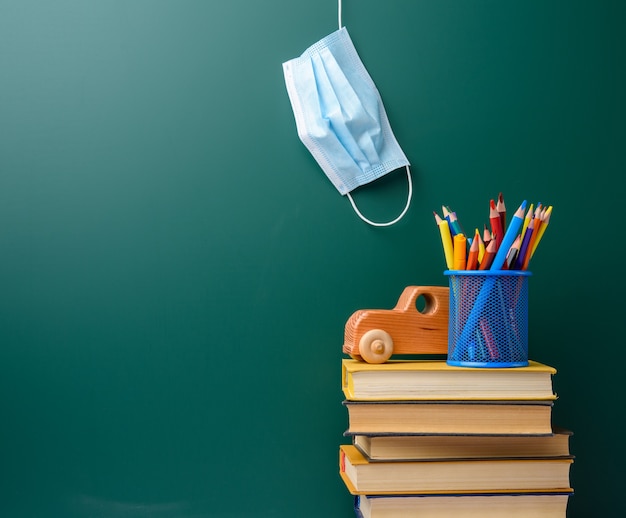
(519, 262)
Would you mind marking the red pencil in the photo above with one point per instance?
(501, 210)
(489, 340)
(496, 223)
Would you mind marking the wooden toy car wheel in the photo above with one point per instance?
(376, 346)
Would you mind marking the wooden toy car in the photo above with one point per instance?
(374, 335)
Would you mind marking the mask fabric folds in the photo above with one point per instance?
(340, 116)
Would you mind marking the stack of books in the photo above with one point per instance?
(431, 439)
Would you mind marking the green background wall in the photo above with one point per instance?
(176, 270)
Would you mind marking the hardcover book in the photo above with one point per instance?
(449, 417)
(440, 447)
(436, 380)
(489, 505)
(543, 474)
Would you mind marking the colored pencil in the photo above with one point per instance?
(446, 240)
(507, 241)
(527, 219)
(460, 252)
(486, 235)
(545, 219)
(490, 253)
(489, 340)
(472, 258)
(496, 223)
(533, 237)
(455, 226)
(511, 255)
(519, 262)
(481, 246)
(500, 205)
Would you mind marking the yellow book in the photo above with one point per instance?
(399, 380)
(463, 476)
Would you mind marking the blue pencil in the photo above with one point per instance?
(453, 222)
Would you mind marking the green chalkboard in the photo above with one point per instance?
(176, 270)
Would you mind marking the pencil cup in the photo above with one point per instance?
(488, 323)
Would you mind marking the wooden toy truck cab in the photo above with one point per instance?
(374, 335)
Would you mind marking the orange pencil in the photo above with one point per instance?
(496, 223)
(460, 252)
(472, 258)
(490, 253)
(537, 216)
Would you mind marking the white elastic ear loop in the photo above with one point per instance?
(339, 12)
(408, 172)
(388, 224)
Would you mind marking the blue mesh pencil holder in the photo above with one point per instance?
(488, 324)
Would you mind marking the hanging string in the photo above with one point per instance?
(339, 12)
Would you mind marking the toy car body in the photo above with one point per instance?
(374, 335)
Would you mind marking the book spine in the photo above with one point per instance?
(347, 384)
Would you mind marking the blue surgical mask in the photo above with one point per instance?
(340, 116)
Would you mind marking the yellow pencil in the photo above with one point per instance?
(481, 246)
(446, 240)
(529, 216)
